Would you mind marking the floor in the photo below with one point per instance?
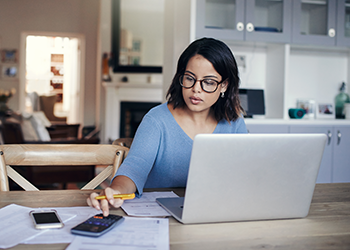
(60, 186)
(103, 185)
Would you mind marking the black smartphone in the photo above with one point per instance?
(97, 225)
(44, 219)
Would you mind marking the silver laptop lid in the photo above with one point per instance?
(235, 177)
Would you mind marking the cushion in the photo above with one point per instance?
(38, 122)
(29, 133)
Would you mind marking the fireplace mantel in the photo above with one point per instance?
(117, 92)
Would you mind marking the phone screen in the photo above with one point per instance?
(46, 217)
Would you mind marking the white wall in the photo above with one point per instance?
(316, 74)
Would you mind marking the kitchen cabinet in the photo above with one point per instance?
(248, 20)
(341, 154)
(335, 166)
(325, 172)
(343, 22)
(314, 22)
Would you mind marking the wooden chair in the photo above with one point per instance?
(125, 142)
(61, 155)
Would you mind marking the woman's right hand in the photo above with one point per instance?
(105, 204)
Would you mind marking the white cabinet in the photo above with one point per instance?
(343, 23)
(335, 165)
(314, 22)
(341, 154)
(325, 172)
(244, 20)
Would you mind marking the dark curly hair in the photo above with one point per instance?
(221, 57)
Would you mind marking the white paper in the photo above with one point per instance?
(17, 226)
(146, 205)
(131, 234)
(63, 235)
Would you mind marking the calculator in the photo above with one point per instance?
(97, 225)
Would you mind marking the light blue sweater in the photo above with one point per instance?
(160, 154)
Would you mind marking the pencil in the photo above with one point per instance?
(120, 196)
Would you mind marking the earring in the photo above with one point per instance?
(222, 94)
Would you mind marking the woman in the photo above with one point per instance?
(203, 98)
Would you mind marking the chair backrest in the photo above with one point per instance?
(125, 142)
(58, 155)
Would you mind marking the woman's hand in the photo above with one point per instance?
(105, 204)
(119, 185)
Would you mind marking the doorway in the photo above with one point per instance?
(53, 67)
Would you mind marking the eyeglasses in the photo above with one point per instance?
(208, 85)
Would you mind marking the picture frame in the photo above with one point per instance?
(9, 56)
(309, 106)
(9, 72)
(325, 111)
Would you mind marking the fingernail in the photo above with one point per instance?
(111, 201)
(98, 208)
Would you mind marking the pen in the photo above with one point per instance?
(121, 196)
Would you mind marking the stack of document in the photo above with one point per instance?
(134, 233)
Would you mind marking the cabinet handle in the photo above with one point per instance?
(331, 32)
(339, 137)
(329, 137)
(240, 26)
(250, 27)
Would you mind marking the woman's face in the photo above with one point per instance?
(196, 99)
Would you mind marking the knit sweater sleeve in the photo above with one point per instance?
(143, 152)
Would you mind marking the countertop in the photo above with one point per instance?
(327, 122)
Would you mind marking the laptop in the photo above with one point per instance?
(244, 177)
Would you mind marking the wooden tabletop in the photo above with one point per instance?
(326, 227)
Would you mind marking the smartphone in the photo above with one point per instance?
(44, 219)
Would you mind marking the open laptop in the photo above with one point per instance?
(239, 177)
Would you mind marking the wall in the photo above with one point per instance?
(316, 74)
(73, 16)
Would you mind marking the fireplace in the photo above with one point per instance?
(141, 96)
(131, 114)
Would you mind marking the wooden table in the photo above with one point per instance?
(326, 227)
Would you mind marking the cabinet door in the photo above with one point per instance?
(267, 129)
(325, 172)
(221, 19)
(343, 23)
(314, 22)
(341, 154)
(268, 20)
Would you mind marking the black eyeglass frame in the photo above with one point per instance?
(201, 82)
